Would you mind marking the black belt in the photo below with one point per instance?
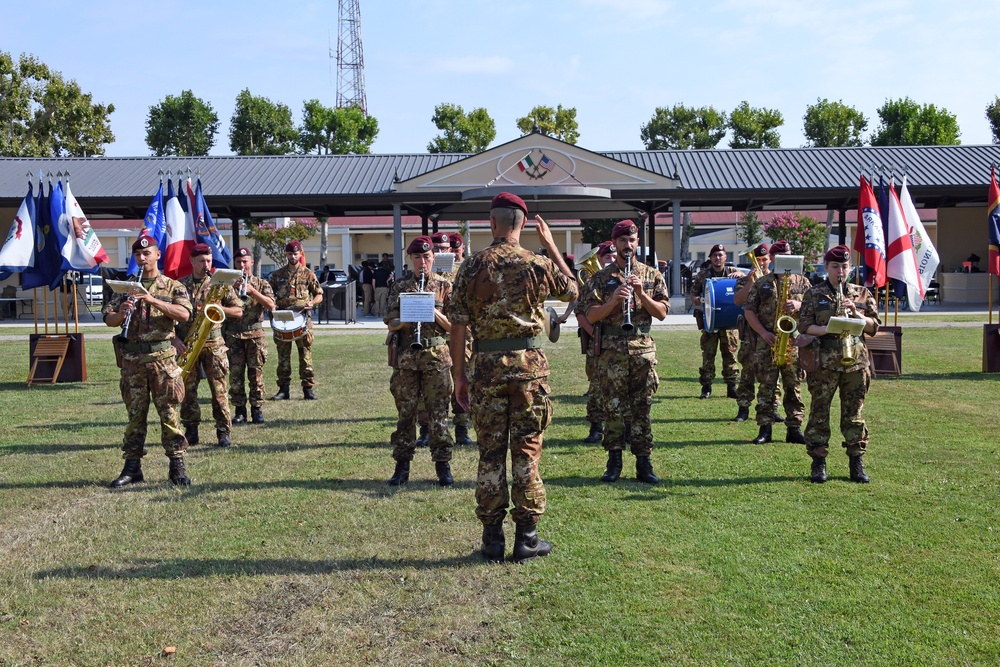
(146, 348)
(425, 342)
(239, 328)
(618, 331)
(507, 344)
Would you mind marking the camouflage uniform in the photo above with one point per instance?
(627, 363)
(422, 376)
(763, 302)
(247, 345)
(724, 340)
(595, 402)
(295, 287)
(212, 358)
(149, 369)
(818, 306)
(745, 389)
(500, 293)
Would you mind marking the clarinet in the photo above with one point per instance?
(416, 344)
(627, 326)
(129, 299)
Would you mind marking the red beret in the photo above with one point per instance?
(419, 245)
(244, 252)
(606, 248)
(624, 228)
(144, 241)
(441, 238)
(507, 200)
(456, 240)
(200, 249)
(780, 248)
(716, 248)
(760, 250)
(840, 253)
(293, 246)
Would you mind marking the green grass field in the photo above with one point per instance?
(289, 549)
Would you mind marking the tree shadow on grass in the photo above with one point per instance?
(191, 568)
(7, 450)
(974, 376)
(658, 491)
(23, 386)
(56, 484)
(372, 488)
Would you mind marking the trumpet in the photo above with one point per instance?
(243, 286)
(752, 258)
(129, 299)
(627, 326)
(417, 344)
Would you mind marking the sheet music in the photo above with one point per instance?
(283, 315)
(226, 276)
(127, 287)
(851, 325)
(416, 307)
(444, 262)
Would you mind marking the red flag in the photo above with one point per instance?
(993, 264)
(869, 240)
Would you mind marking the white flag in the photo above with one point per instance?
(82, 249)
(927, 255)
(902, 263)
(18, 252)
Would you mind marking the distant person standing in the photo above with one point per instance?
(296, 288)
(458, 247)
(723, 340)
(382, 280)
(367, 287)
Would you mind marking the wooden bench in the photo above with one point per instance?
(51, 350)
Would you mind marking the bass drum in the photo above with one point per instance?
(720, 311)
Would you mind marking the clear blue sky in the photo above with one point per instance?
(614, 60)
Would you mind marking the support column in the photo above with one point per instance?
(397, 240)
(346, 250)
(675, 269)
(569, 243)
(842, 228)
(423, 224)
(651, 235)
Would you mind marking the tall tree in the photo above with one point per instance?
(461, 132)
(559, 123)
(903, 122)
(755, 128)
(273, 239)
(182, 125)
(684, 128)
(748, 228)
(326, 130)
(993, 115)
(261, 127)
(829, 123)
(44, 115)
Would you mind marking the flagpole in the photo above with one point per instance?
(34, 307)
(501, 174)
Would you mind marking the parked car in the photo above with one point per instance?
(92, 289)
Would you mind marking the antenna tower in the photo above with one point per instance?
(350, 57)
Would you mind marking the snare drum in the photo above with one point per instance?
(720, 311)
(290, 330)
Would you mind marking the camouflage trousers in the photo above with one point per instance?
(432, 389)
(247, 357)
(160, 380)
(724, 341)
(304, 344)
(628, 383)
(791, 377)
(459, 416)
(748, 375)
(595, 402)
(510, 415)
(823, 384)
(216, 364)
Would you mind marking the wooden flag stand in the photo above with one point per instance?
(57, 357)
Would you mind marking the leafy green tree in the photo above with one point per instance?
(559, 123)
(748, 229)
(44, 115)
(903, 122)
(805, 235)
(461, 132)
(755, 128)
(336, 131)
(261, 127)
(683, 128)
(829, 123)
(272, 239)
(182, 125)
(598, 230)
(993, 115)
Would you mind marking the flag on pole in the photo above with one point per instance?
(154, 225)
(18, 252)
(993, 221)
(208, 233)
(57, 208)
(525, 163)
(47, 258)
(179, 237)
(869, 240)
(926, 254)
(901, 262)
(81, 249)
(546, 163)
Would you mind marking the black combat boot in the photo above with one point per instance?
(644, 470)
(742, 414)
(493, 543)
(794, 435)
(818, 474)
(731, 390)
(614, 469)
(706, 391)
(191, 433)
(241, 415)
(596, 433)
(256, 415)
(178, 475)
(402, 473)
(131, 473)
(763, 436)
(308, 393)
(527, 545)
(858, 470)
(443, 470)
(424, 437)
(282, 394)
(223, 437)
(462, 438)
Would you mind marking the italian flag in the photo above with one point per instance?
(525, 163)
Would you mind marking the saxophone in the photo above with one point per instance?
(848, 345)
(784, 325)
(201, 327)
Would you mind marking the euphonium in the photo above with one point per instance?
(587, 266)
(201, 327)
(417, 344)
(848, 346)
(752, 256)
(627, 326)
(784, 325)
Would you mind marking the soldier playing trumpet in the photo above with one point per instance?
(247, 342)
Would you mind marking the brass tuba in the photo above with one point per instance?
(587, 266)
(201, 327)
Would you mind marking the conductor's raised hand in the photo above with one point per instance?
(544, 233)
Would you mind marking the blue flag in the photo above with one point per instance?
(57, 209)
(209, 233)
(47, 257)
(155, 225)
